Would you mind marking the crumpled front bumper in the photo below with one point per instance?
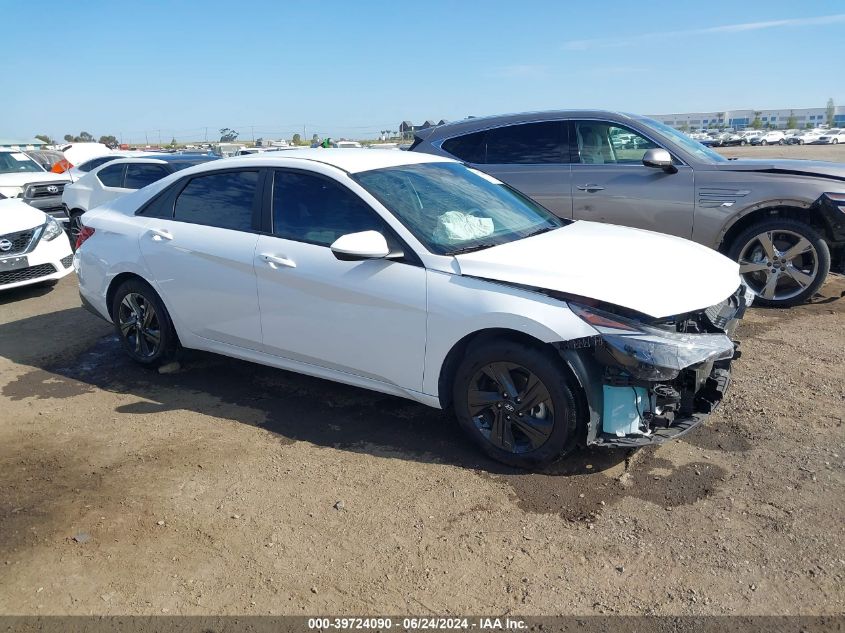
(631, 403)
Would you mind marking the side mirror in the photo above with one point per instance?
(357, 246)
(659, 159)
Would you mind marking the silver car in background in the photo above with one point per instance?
(782, 220)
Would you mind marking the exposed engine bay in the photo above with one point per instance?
(649, 380)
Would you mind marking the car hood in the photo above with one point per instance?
(19, 216)
(655, 274)
(820, 168)
(21, 178)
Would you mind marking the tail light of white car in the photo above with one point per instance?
(84, 233)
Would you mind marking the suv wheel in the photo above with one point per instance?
(515, 402)
(764, 142)
(783, 261)
(143, 324)
(75, 224)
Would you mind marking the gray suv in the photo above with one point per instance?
(780, 219)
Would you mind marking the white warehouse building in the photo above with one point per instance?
(739, 119)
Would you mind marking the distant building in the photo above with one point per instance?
(407, 129)
(740, 119)
(18, 143)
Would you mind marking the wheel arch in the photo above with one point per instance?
(118, 280)
(791, 209)
(459, 350)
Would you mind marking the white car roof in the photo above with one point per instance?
(350, 160)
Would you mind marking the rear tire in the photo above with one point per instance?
(797, 278)
(516, 403)
(143, 324)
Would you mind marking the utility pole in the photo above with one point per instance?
(252, 130)
(206, 135)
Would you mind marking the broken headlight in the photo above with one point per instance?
(650, 353)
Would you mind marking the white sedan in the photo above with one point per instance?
(413, 275)
(33, 247)
(831, 137)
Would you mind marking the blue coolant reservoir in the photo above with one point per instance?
(623, 409)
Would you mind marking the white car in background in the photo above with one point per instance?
(78, 171)
(414, 275)
(833, 136)
(117, 177)
(33, 246)
(771, 137)
(804, 137)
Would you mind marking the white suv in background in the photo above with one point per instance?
(770, 137)
(117, 177)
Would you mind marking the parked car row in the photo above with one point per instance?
(818, 136)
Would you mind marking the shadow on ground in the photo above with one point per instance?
(323, 413)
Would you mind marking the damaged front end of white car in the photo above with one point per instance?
(648, 380)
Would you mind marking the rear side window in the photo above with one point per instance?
(224, 199)
(526, 144)
(523, 144)
(111, 176)
(143, 174)
(96, 162)
(469, 147)
(317, 210)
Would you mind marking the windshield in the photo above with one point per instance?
(690, 145)
(452, 209)
(14, 162)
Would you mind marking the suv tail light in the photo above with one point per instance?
(84, 234)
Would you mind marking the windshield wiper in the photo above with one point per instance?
(470, 249)
(545, 229)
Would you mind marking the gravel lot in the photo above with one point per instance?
(233, 488)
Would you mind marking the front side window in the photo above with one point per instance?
(16, 162)
(112, 175)
(317, 210)
(142, 174)
(602, 143)
(452, 209)
(225, 200)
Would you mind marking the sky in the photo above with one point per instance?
(145, 70)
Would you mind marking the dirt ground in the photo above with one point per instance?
(231, 488)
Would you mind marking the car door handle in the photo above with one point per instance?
(590, 188)
(160, 235)
(278, 260)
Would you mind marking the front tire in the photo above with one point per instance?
(835, 141)
(783, 261)
(764, 142)
(516, 403)
(143, 324)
